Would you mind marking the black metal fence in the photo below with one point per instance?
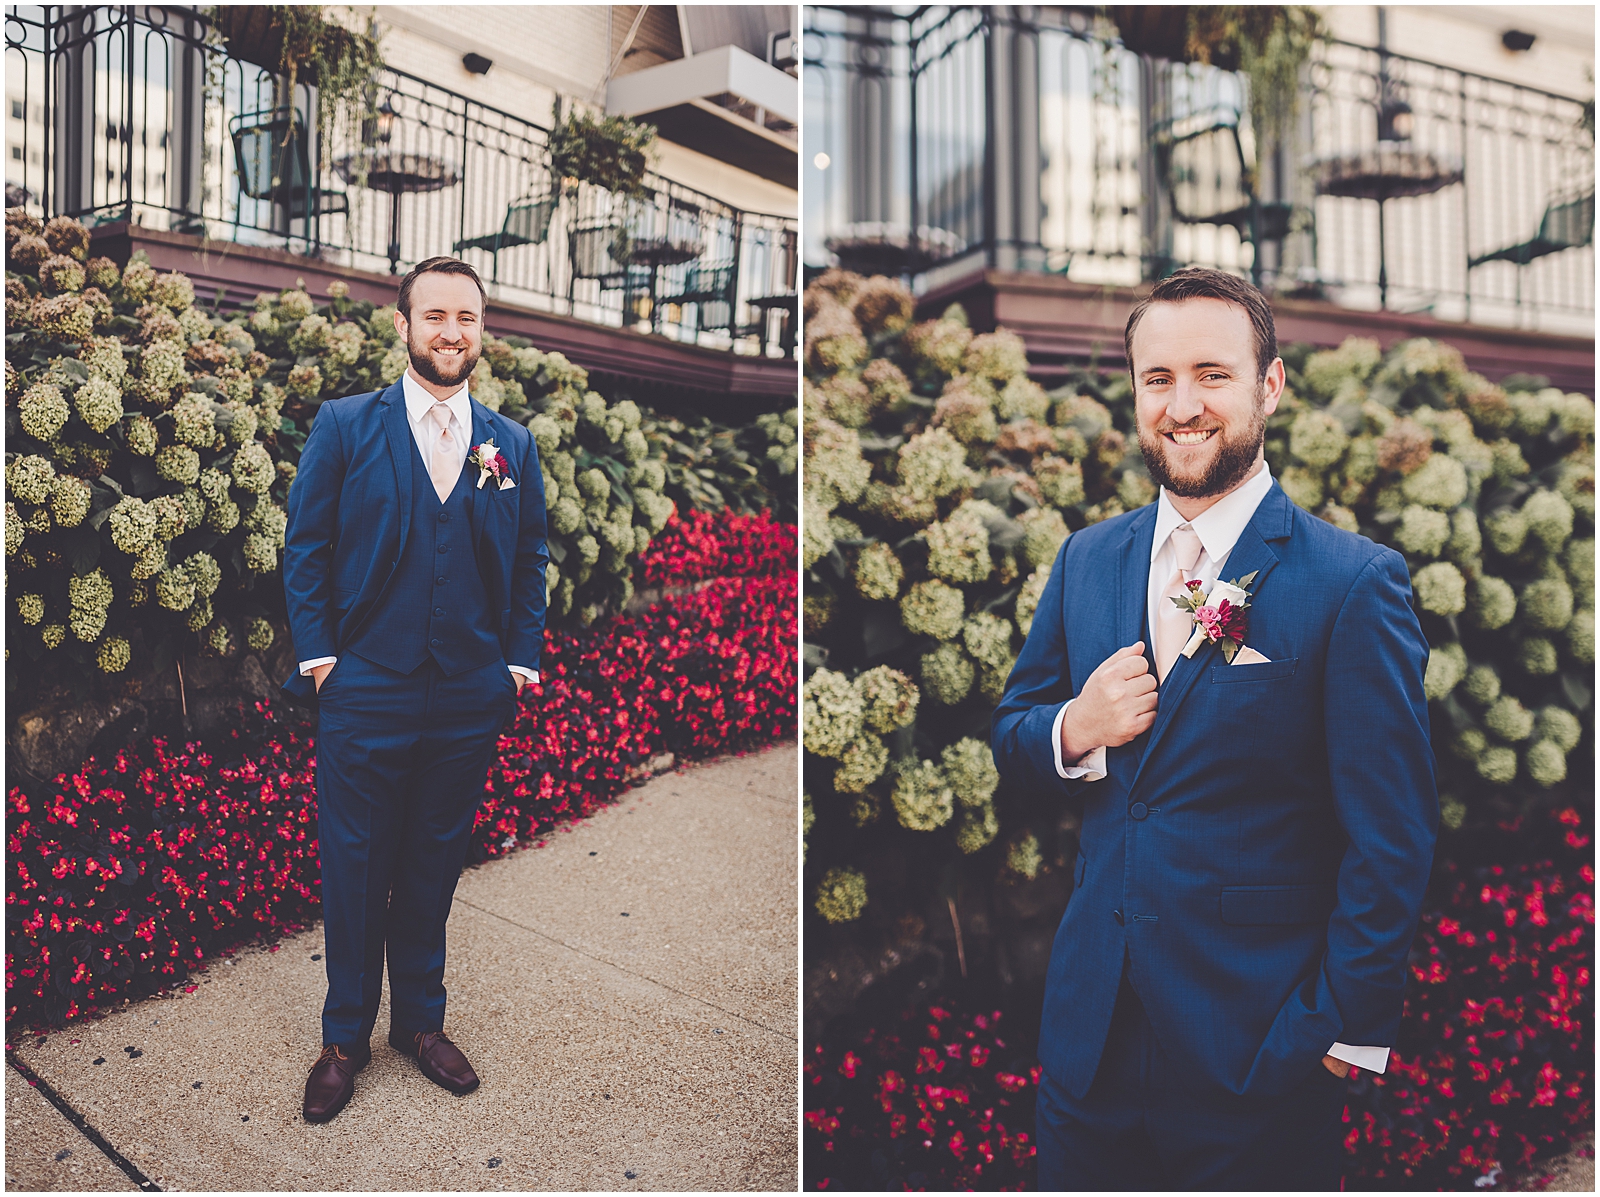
(951, 136)
(139, 113)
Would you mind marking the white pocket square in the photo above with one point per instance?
(506, 484)
(1248, 656)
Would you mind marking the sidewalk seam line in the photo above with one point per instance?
(629, 972)
(111, 1153)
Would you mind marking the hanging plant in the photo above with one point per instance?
(301, 45)
(608, 151)
(1269, 43)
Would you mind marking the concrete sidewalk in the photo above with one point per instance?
(628, 993)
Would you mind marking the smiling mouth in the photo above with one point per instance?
(1190, 437)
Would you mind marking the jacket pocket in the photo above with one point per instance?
(1275, 905)
(505, 619)
(1266, 672)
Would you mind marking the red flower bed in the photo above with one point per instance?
(1493, 1068)
(938, 1102)
(1495, 1064)
(702, 544)
(132, 870)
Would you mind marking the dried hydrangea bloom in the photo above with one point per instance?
(1537, 656)
(43, 411)
(28, 478)
(958, 548)
(1579, 637)
(834, 713)
(1549, 518)
(1028, 597)
(1481, 685)
(113, 655)
(933, 464)
(878, 572)
(860, 764)
(1509, 719)
(841, 895)
(1546, 604)
(1440, 482)
(922, 798)
(932, 608)
(947, 674)
(889, 699)
(1440, 588)
(1318, 439)
(968, 767)
(882, 305)
(1498, 765)
(1422, 532)
(935, 349)
(834, 342)
(835, 470)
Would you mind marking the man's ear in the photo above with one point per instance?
(400, 324)
(1272, 385)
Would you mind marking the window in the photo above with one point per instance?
(16, 153)
(19, 110)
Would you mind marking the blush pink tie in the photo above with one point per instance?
(442, 465)
(1174, 627)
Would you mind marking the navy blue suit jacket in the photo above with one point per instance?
(349, 511)
(1260, 854)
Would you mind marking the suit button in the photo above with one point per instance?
(436, 642)
(441, 581)
(444, 517)
(1117, 914)
(1139, 810)
(444, 548)
(438, 610)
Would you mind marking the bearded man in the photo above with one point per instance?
(1259, 809)
(414, 574)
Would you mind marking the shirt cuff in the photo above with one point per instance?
(1373, 1059)
(1091, 765)
(307, 666)
(531, 674)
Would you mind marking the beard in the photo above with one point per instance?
(1232, 462)
(441, 376)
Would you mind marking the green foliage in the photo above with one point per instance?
(715, 467)
(608, 151)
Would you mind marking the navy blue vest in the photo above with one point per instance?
(435, 604)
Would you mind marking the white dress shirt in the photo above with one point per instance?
(1218, 527)
(425, 436)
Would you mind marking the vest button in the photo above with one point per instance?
(440, 581)
(1117, 914)
(444, 548)
(1139, 810)
(436, 642)
(444, 517)
(438, 610)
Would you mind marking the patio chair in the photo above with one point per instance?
(527, 223)
(1190, 150)
(1566, 224)
(707, 286)
(270, 150)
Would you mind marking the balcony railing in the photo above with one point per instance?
(955, 137)
(134, 113)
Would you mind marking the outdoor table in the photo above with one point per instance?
(1389, 170)
(396, 173)
(656, 253)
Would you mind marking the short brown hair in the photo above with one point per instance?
(439, 265)
(1201, 282)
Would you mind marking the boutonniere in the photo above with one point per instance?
(1220, 616)
(491, 463)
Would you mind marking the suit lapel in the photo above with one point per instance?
(480, 494)
(1252, 552)
(1135, 581)
(402, 448)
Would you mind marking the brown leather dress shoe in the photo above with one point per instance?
(440, 1060)
(332, 1081)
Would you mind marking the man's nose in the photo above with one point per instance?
(1185, 403)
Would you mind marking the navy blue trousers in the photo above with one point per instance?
(1144, 1127)
(401, 761)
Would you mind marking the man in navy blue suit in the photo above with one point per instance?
(414, 573)
(1259, 808)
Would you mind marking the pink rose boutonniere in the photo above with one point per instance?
(491, 463)
(1219, 617)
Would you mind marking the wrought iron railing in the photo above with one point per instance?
(139, 113)
(947, 137)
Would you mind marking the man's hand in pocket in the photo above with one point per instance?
(320, 672)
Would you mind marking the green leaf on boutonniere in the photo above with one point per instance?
(1244, 582)
(1228, 649)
